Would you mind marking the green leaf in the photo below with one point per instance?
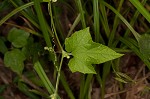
(86, 52)
(14, 59)
(18, 37)
(144, 45)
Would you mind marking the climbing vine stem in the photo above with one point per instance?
(64, 54)
(53, 26)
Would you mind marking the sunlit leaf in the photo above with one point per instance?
(86, 52)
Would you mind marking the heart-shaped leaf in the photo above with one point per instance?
(14, 59)
(86, 52)
(18, 37)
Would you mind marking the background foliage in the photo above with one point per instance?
(39, 39)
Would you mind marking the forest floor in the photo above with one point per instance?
(130, 64)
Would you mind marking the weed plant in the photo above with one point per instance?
(89, 36)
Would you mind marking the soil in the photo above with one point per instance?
(130, 64)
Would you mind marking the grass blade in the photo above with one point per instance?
(141, 9)
(66, 86)
(98, 36)
(134, 18)
(136, 35)
(79, 5)
(115, 25)
(129, 43)
(27, 14)
(15, 11)
(75, 23)
(38, 68)
(104, 18)
(42, 22)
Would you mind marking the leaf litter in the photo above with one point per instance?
(129, 65)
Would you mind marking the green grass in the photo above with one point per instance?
(111, 23)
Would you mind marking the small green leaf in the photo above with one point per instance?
(86, 52)
(14, 59)
(144, 45)
(18, 37)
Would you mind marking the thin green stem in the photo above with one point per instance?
(53, 25)
(61, 48)
(58, 77)
(59, 26)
